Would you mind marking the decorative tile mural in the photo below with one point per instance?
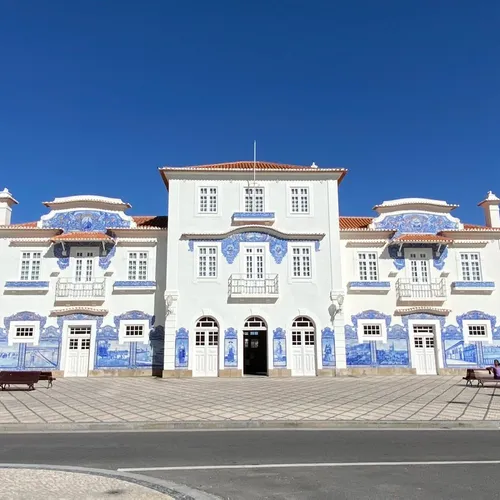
(416, 222)
(438, 256)
(85, 220)
(327, 348)
(279, 348)
(181, 348)
(230, 246)
(62, 253)
(231, 348)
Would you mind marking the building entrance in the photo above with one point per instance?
(255, 347)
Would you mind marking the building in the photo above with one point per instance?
(82, 288)
(256, 275)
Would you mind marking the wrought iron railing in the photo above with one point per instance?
(71, 289)
(435, 289)
(240, 284)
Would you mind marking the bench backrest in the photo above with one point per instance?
(473, 373)
(14, 377)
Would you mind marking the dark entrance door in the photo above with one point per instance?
(255, 353)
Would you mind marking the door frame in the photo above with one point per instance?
(302, 330)
(65, 341)
(428, 251)
(218, 346)
(438, 352)
(76, 250)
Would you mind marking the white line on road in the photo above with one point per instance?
(310, 465)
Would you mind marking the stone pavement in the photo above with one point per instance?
(37, 484)
(143, 401)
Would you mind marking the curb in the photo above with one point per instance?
(174, 490)
(253, 425)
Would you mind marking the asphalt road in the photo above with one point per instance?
(305, 465)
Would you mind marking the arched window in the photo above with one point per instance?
(255, 323)
(303, 331)
(207, 332)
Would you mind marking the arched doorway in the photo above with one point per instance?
(255, 346)
(206, 348)
(303, 347)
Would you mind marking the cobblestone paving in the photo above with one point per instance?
(118, 400)
(29, 484)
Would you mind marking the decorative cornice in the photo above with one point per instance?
(438, 311)
(253, 229)
(63, 311)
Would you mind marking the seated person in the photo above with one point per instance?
(495, 369)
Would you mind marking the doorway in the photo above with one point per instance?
(255, 347)
(206, 358)
(424, 349)
(78, 351)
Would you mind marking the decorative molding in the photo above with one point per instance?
(369, 284)
(79, 317)
(370, 314)
(25, 316)
(231, 348)
(279, 348)
(327, 348)
(254, 215)
(475, 316)
(134, 284)
(422, 316)
(181, 348)
(85, 221)
(105, 260)
(473, 284)
(132, 315)
(27, 284)
(416, 222)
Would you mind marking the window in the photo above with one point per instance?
(477, 331)
(303, 332)
(254, 199)
(138, 266)
(207, 200)
(30, 266)
(84, 267)
(299, 200)
(372, 330)
(134, 330)
(471, 266)
(23, 332)
(207, 332)
(301, 262)
(368, 266)
(207, 262)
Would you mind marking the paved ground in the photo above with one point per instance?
(29, 484)
(147, 400)
(278, 464)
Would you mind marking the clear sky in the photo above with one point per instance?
(96, 95)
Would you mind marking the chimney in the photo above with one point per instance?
(6, 204)
(491, 211)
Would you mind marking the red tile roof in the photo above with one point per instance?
(82, 236)
(155, 221)
(250, 165)
(355, 222)
(422, 238)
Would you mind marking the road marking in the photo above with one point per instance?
(309, 465)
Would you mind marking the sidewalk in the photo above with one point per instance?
(142, 401)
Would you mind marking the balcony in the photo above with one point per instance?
(264, 289)
(434, 291)
(68, 289)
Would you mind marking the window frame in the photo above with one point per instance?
(207, 245)
(138, 259)
(14, 325)
(301, 279)
(466, 323)
(362, 337)
(30, 251)
(243, 198)
(198, 199)
(358, 265)
(469, 265)
(144, 338)
(290, 200)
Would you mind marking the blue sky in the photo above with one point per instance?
(94, 95)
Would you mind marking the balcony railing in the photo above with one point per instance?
(241, 286)
(408, 290)
(68, 288)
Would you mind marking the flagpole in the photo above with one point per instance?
(254, 160)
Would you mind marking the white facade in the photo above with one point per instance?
(240, 248)
(82, 289)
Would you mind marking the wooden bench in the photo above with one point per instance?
(29, 378)
(482, 375)
(48, 377)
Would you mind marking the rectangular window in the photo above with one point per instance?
(134, 330)
(368, 266)
(471, 266)
(372, 330)
(84, 267)
(30, 266)
(23, 332)
(299, 200)
(207, 262)
(138, 266)
(301, 262)
(477, 331)
(208, 200)
(254, 199)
